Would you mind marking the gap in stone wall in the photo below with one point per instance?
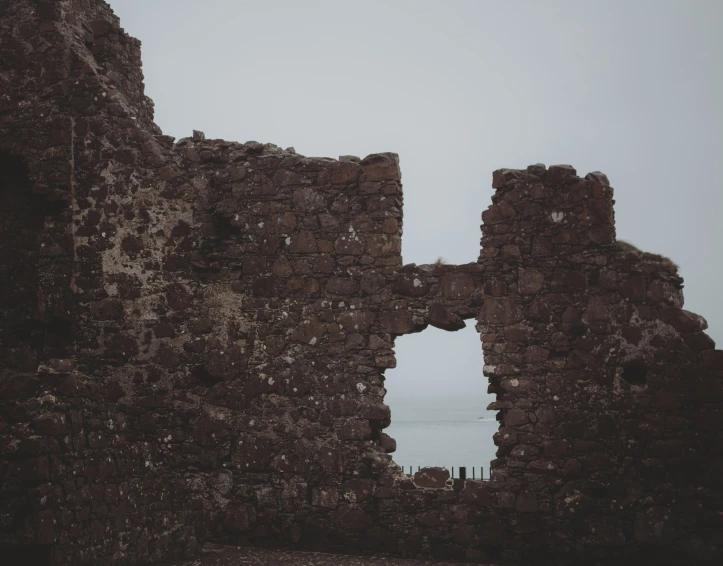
(437, 394)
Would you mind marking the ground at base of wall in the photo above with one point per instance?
(218, 555)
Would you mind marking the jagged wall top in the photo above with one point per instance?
(194, 338)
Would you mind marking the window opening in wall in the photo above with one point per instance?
(438, 399)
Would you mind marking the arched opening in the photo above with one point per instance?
(438, 399)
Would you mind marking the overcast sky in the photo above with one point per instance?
(459, 88)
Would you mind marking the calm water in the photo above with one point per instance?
(445, 443)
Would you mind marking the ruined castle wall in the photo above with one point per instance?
(195, 335)
(609, 393)
(73, 116)
(35, 157)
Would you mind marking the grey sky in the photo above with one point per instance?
(459, 88)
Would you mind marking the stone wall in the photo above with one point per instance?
(194, 335)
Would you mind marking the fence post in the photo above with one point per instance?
(462, 473)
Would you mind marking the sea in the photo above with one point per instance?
(449, 444)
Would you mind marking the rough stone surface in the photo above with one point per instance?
(194, 335)
(218, 555)
(432, 477)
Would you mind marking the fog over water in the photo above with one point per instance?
(458, 89)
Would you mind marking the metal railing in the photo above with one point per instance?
(463, 472)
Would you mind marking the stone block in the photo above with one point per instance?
(381, 167)
(442, 317)
(396, 322)
(50, 424)
(432, 478)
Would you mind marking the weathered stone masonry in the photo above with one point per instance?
(193, 339)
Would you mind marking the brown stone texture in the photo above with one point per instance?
(194, 336)
(223, 555)
(435, 478)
